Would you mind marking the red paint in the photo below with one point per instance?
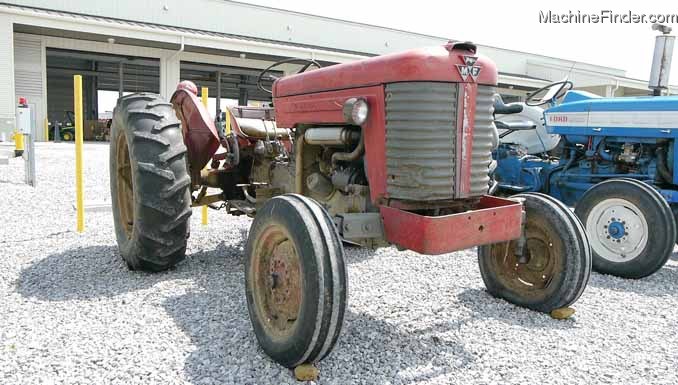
(326, 108)
(200, 134)
(494, 220)
(435, 64)
(317, 97)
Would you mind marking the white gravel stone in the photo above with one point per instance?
(71, 312)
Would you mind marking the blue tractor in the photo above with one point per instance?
(615, 160)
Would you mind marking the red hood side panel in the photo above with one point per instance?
(435, 64)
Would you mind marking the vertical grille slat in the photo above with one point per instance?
(483, 128)
(417, 168)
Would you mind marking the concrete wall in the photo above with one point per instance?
(30, 78)
(7, 108)
(169, 72)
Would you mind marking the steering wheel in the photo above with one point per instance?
(263, 75)
(553, 91)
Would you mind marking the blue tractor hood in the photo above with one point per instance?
(585, 114)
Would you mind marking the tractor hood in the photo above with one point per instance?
(581, 101)
(582, 114)
(449, 63)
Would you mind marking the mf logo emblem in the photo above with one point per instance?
(469, 68)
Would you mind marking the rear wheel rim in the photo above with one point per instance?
(277, 282)
(618, 230)
(125, 185)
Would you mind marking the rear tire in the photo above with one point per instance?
(631, 227)
(150, 186)
(558, 263)
(674, 209)
(295, 280)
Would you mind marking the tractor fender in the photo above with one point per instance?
(200, 133)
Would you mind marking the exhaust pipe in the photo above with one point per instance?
(661, 60)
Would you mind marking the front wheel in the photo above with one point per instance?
(67, 136)
(295, 280)
(554, 267)
(631, 227)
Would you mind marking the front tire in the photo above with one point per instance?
(295, 280)
(630, 225)
(555, 267)
(150, 186)
(68, 136)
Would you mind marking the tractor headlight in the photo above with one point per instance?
(355, 111)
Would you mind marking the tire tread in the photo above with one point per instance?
(161, 182)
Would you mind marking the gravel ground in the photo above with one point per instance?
(71, 312)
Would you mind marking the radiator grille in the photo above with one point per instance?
(421, 125)
(482, 140)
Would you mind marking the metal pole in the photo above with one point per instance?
(204, 94)
(121, 86)
(93, 101)
(29, 157)
(243, 97)
(218, 95)
(77, 108)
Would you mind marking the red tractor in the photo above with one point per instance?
(391, 150)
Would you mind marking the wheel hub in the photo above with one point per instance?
(278, 278)
(537, 271)
(283, 284)
(533, 271)
(618, 230)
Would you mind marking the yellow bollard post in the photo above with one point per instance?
(77, 108)
(18, 143)
(204, 94)
(227, 128)
(46, 130)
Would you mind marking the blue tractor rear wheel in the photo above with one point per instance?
(631, 227)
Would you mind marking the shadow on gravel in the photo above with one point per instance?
(99, 271)
(385, 353)
(82, 273)
(213, 314)
(227, 350)
(483, 306)
(662, 283)
(7, 181)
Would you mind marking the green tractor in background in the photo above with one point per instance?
(66, 128)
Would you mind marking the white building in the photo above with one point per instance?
(127, 46)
